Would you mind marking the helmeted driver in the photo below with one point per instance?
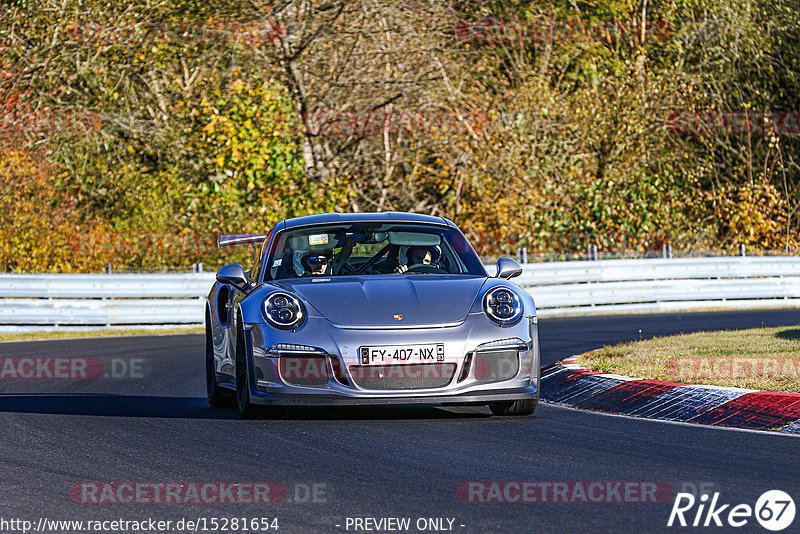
(315, 262)
(419, 256)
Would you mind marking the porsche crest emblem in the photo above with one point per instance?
(398, 317)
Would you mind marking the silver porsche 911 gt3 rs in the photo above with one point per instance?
(378, 308)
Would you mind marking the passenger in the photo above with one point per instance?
(315, 263)
(419, 256)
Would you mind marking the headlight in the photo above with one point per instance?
(502, 306)
(283, 310)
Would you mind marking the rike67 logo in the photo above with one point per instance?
(774, 510)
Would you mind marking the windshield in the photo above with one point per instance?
(371, 249)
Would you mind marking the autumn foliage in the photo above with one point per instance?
(133, 133)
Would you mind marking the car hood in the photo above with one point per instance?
(389, 300)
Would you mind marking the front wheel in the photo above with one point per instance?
(246, 408)
(217, 397)
(516, 408)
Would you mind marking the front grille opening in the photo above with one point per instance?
(412, 376)
(339, 372)
(465, 369)
(304, 371)
(496, 365)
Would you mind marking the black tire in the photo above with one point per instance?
(246, 408)
(217, 397)
(515, 408)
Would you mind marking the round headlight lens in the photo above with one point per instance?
(284, 311)
(503, 297)
(503, 306)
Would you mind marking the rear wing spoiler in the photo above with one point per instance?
(227, 240)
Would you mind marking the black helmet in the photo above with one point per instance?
(416, 254)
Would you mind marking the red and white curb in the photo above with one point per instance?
(572, 384)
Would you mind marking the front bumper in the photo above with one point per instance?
(334, 379)
(291, 399)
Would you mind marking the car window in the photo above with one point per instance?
(255, 272)
(366, 249)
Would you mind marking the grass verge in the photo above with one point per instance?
(30, 336)
(760, 358)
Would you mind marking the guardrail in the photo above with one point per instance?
(662, 284)
(80, 301)
(77, 301)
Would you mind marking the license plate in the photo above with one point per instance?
(393, 354)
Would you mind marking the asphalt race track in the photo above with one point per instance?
(151, 423)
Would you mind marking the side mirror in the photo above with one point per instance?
(508, 268)
(232, 274)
